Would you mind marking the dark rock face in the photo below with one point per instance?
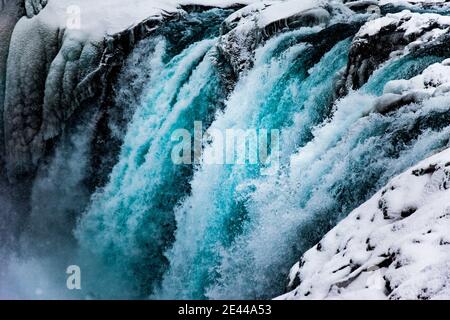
(13, 199)
(41, 96)
(10, 13)
(366, 54)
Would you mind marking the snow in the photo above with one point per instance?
(105, 17)
(433, 80)
(112, 16)
(285, 10)
(263, 13)
(410, 23)
(383, 2)
(394, 246)
(248, 10)
(260, 20)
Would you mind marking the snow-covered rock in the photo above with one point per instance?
(407, 22)
(394, 246)
(432, 82)
(34, 7)
(193, 5)
(413, 2)
(390, 37)
(396, 5)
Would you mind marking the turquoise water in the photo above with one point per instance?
(134, 211)
(205, 231)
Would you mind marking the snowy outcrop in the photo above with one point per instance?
(432, 82)
(390, 37)
(201, 5)
(394, 246)
(428, 4)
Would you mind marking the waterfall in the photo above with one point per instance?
(58, 195)
(215, 213)
(155, 228)
(134, 211)
(232, 231)
(238, 231)
(291, 212)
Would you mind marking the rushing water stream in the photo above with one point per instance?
(163, 230)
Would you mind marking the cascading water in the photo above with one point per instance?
(135, 209)
(215, 214)
(238, 231)
(230, 231)
(198, 230)
(317, 192)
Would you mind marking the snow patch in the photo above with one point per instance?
(407, 21)
(283, 10)
(113, 16)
